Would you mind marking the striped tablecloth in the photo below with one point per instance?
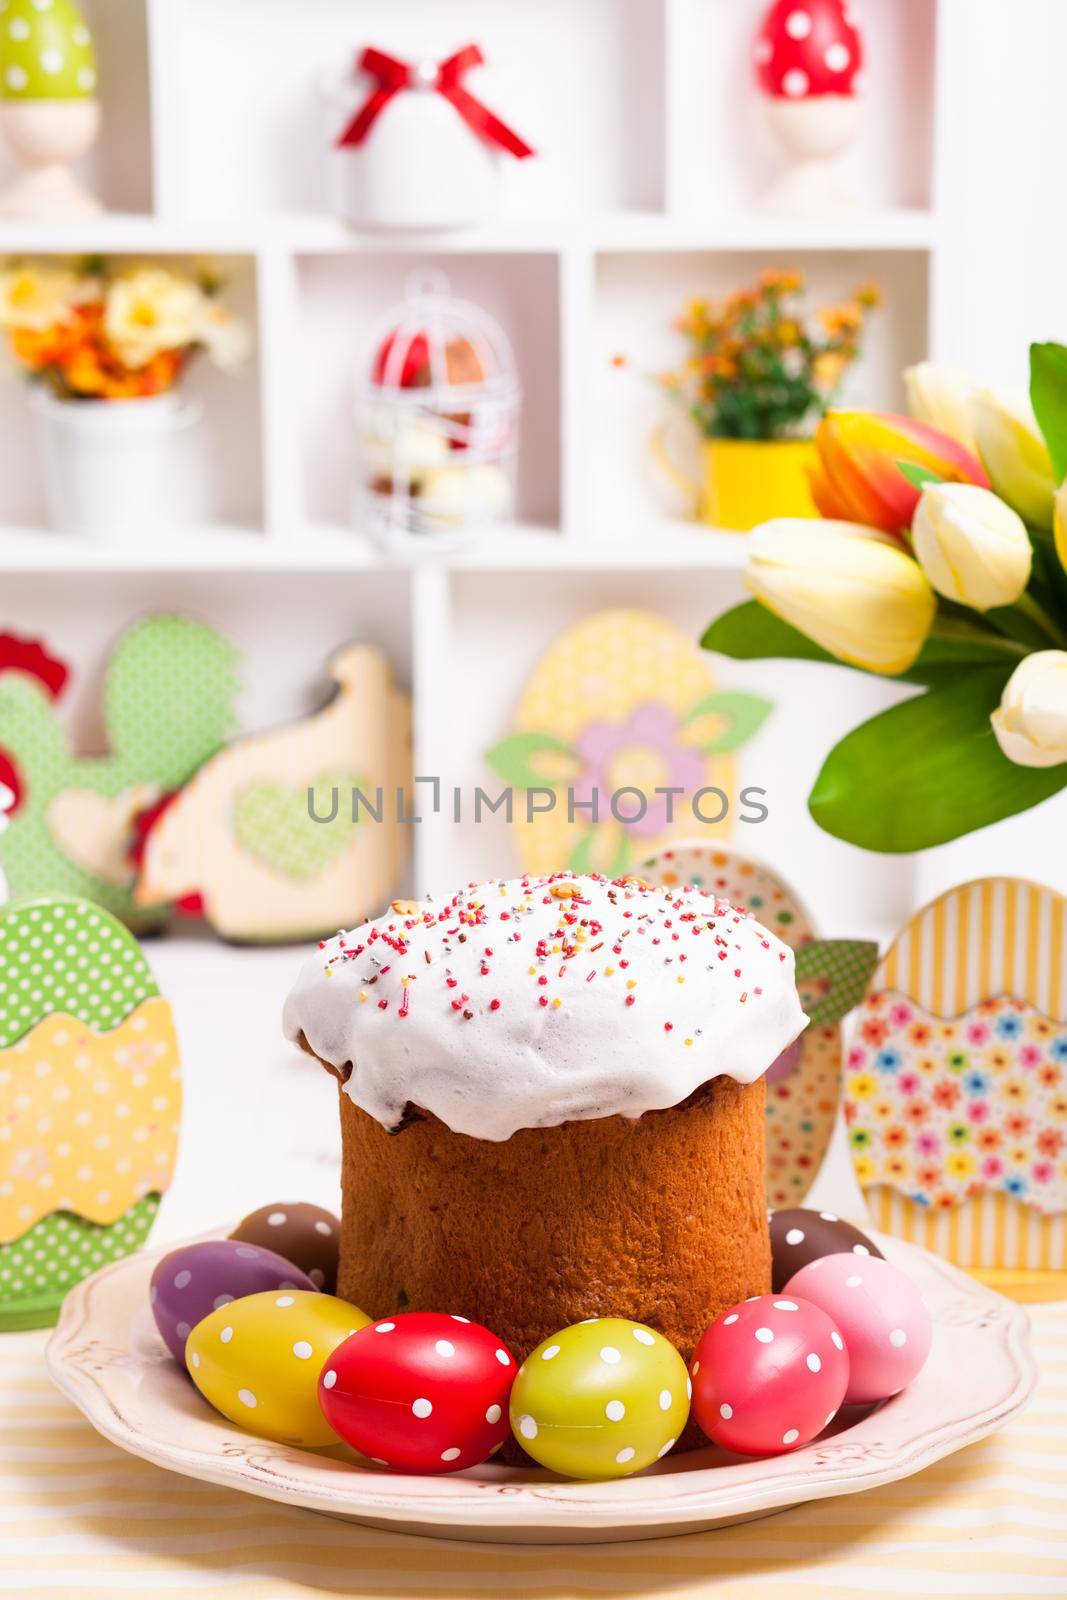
(80, 1518)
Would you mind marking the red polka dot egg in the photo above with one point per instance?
(883, 1318)
(769, 1375)
(421, 1391)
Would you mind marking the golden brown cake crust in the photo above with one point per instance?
(661, 1219)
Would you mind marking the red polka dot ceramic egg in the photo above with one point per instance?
(420, 1392)
(882, 1316)
(769, 1375)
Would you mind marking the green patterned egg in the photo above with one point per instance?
(601, 1399)
(91, 1095)
(46, 51)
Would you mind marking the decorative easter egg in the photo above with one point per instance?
(623, 711)
(420, 1392)
(769, 1375)
(258, 1361)
(601, 1399)
(46, 52)
(799, 1237)
(306, 1235)
(199, 1278)
(883, 1319)
(90, 1095)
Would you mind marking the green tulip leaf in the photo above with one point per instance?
(738, 716)
(918, 476)
(749, 632)
(927, 771)
(532, 760)
(1048, 396)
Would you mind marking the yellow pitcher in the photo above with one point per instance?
(744, 482)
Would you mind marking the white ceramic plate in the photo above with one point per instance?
(107, 1356)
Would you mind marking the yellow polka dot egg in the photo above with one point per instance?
(601, 1399)
(257, 1360)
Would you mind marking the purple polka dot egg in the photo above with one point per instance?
(196, 1279)
(883, 1319)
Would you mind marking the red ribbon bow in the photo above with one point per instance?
(393, 76)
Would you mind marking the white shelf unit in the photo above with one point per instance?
(645, 192)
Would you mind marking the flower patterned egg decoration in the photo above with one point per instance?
(956, 1082)
(804, 1084)
(91, 1088)
(46, 52)
(622, 703)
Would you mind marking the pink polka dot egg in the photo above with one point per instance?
(883, 1318)
(769, 1375)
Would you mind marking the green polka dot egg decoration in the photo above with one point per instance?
(601, 1399)
(46, 51)
(90, 1100)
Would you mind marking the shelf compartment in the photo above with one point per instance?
(590, 98)
(230, 432)
(637, 299)
(339, 301)
(716, 108)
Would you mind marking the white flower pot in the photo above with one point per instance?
(121, 471)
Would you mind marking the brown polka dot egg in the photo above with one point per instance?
(306, 1235)
(258, 1360)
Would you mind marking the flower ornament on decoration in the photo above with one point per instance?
(420, 149)
(808, 55)
(622, 706)
(972, 606)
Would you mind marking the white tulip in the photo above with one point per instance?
(1031, 721)
(941, 397)
(972, 546)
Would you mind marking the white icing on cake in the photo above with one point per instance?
(515, 1005)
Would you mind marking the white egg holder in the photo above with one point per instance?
(408, 437)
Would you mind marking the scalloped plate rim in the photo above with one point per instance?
(524, 1509)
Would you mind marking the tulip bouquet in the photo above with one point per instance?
(90, 333)
(942, 562)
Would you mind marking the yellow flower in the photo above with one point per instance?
(151, 310)
(864, 1168)
(38, 298)
(862, 1086)
(959, 1164)
(851, 589)
(1015, 455)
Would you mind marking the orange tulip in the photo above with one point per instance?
(857, 477)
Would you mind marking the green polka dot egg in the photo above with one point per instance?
(46, 52)
(601, 1399)
(90, 1100)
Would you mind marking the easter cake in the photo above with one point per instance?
(552, 1102)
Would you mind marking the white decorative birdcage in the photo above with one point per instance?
(437, 416)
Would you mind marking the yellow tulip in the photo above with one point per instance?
(1031, 721)
(852, 590)
(941, 397)
(1059, 523)
(972, 546)
(1014, 455)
